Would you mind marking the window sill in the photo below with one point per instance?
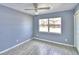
(49, 33)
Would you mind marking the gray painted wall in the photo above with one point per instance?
(67, 27)
(76, 8)
(15, 27)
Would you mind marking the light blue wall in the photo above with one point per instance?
(14, 26)
(67, 27)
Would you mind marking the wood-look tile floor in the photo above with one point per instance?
(37, 47)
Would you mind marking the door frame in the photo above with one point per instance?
(74, 27)
(75, 44)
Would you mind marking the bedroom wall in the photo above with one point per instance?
(15, 27)
(67, 35)
(76, 8)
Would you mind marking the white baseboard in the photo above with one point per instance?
(15, 46)
(54, 42)
(31, 39)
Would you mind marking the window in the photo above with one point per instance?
(52, 25)
(55, 25)
(43, 25)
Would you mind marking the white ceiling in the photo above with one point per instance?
(54, 7)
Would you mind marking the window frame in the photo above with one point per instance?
(49, 26)
(39, 27)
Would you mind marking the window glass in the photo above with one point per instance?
(55, 25)
(43, 25)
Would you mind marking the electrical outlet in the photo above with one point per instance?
(17, 41)
(66, 40)
(36, 35)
